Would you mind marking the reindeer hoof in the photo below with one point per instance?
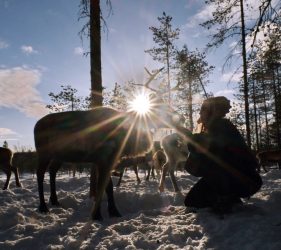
(55, 202)
(113, 212)
(43, 209)
(97, 217)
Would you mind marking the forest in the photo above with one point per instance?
(183, 74)
(86, 152)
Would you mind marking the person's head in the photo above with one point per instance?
(213, 108)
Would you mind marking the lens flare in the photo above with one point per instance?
(140, 104)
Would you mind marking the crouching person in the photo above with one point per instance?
(221, 157)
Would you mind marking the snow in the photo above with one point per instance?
(150, 220)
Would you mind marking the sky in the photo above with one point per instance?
(40, 50)
(150, 220)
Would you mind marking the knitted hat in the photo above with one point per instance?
(219, 106)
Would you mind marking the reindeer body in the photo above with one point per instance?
(158, 160)
(176, 152)
(100, 136)
(6, 165)
(271, 156)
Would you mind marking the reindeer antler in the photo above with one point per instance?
(150, 79)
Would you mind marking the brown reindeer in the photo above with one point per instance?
(150, 162)
(100, 136)
(271, 156)
(129, 162)
(6, 165)
(176, 152)
(158, 160)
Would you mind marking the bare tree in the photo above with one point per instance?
(164, 36)
(229, 20)
(91, 10)
(192, 69)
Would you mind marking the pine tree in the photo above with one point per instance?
(192, 71)
(67, 100)
(91, 10)
(5, 144)
(164, 36)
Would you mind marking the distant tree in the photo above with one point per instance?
(5, 144)
(91, 10)
(192, 71)
(66, 100)
(265, 82)
(164, 36)
(237, 117)
(269, 13)
(117, 98)
(228, 21)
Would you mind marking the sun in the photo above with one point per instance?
(140, 104)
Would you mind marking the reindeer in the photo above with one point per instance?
(151, 161)
(6, 165)
(272, 156)
(158, 160)
(129, 162)
(176, 152)
(100, 136)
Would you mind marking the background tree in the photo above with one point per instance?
(5, 144)
(192, 71)
(269, 12)
(228, 19)
(67, 100)
(237, 117)
(116, 98)
(264, 80)
(91, 10)
(164, 36)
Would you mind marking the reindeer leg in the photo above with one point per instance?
(112, 210)
(16, 172)
(148, 174)
(102, 182)
(174, 181)
(7, 171)
(264, 168)
(136, 172)
(53, 169)
(93, 181)
(152, 173)
(163, 175)
(42, 166)
(120, 177)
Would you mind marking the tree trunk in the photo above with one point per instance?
(190, 111)
(265, 113)
(245, 76)
(255, 116)
(168, 75)
(276, 107)
(95, 54)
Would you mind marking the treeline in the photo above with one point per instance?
(254, 34)
(27, 162)
(265, 91)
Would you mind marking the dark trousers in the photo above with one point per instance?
(217, 184)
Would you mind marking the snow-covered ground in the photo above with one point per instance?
(150, 220)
